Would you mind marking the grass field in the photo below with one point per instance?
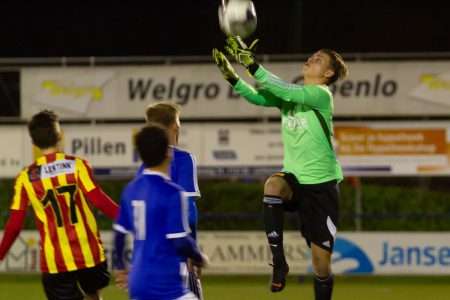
(28, 287)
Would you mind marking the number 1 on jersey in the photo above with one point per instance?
(139, 219)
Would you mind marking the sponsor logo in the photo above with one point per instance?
(9, 162)
(56, 88)
(414, 255)
(349, 258)
(433, 88)
(225, 154)
(433, 82)
(58, 167)
(177, 90)
(327, 244)
(223, 136)
(373, 86)
(273, 234)
(293, 123)
(34, 173)
(96, 145)
(71, 91)
(23, 256)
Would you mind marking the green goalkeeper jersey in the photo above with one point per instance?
(307, 152)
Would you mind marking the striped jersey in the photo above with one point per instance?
(55, 185)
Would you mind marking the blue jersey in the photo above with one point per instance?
(154, 210)
(183, 171)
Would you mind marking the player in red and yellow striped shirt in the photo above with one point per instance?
(60, 188)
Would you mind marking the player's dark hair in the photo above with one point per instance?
(164, 113)
(43, 129)
(337, 64)
(152, 143)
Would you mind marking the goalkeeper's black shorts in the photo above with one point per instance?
(318, 209)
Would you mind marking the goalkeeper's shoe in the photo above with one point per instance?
(279, 274)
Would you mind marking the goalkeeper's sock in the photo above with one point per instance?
(323, 287)
(273, 223)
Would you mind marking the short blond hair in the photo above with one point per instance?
(164, 113)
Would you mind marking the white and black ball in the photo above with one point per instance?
(238, 17)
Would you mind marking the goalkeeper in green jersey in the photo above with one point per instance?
(309, 180)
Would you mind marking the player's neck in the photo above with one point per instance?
(163, 168)
(173, 138)
(49, 150)
(313, 80)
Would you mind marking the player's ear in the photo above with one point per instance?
(169, 153)
(328, 73)
(60, 133)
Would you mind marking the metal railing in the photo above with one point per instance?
(63, 61)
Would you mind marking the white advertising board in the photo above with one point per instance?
(247, 252)
(102, 145)
(372, 89)
(251, 149)
(124, 92)
(13, 150)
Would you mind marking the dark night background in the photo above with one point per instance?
(190, 27)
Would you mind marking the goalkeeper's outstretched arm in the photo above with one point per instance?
(311, 95)
(259, 97)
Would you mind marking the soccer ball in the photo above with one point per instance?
(238, 17)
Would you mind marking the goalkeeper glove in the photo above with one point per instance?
(225, 67)
(240, 51)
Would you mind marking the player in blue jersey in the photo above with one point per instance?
(155, 211)
(183, 171)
